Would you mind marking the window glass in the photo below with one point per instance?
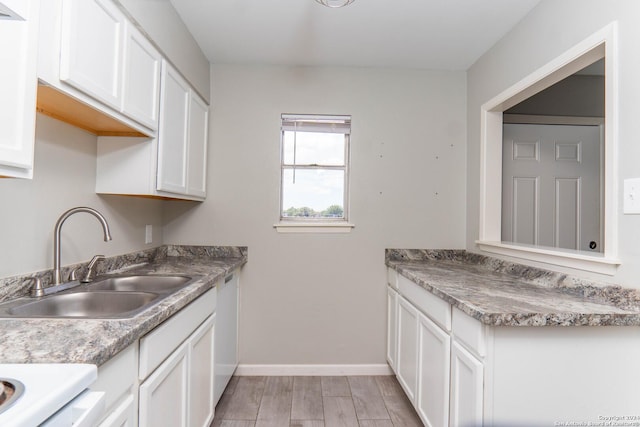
(314, 193)
(313, 148)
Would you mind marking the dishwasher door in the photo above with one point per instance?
(226, 334)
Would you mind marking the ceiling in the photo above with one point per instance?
(433, 34)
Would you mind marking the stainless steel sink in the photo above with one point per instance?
(109, 297)
(140, 283)
(86, 305)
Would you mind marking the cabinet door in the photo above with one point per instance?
(172, 137)
(408, 347)
(392, 327)
(141, 78)
(91, 48)
(201, 405)
(467, 380)
(18, 83)
(433, 373)
(124, 415)
(197, 164)
(163, 396)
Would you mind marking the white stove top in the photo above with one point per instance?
(47, 388)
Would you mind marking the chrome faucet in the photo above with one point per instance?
(57, 276)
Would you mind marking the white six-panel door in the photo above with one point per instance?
(551, 186)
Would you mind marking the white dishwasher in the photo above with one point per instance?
(51, 395)
(226, 334)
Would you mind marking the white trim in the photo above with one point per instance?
(309, 227)
(601, 44)
(317, 370)
(567, 258)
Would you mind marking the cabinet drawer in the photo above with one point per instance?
(392, 278)
(437, 309)
(158, 344)
(469, 332)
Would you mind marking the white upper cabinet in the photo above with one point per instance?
(140, 78)
(182, 140)
(172, 165)
(197, 153)
(173, 135)
(91, 48)
(90, 52)
(18, 83)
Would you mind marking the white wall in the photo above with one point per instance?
(548, 31)
(164, 26)
(321, 298)
(64, 177)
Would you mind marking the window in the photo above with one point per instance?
(314, 162)
(491, 239)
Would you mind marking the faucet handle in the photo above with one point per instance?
(87, 277)
(37, 290)
(73, 276)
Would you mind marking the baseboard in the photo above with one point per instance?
(316, 370)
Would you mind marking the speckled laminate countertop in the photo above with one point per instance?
(97, 340)
(500, 293)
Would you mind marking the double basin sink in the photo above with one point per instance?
(114, 297)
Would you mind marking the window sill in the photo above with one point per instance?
(596, 263)
(308, 227)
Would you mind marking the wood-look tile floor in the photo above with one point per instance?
(361, 401)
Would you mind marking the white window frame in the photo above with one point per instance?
(315, 225)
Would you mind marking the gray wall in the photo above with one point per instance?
(549, 30)
(575, 96)
(320, 298)
(164, 26)
(64, 177)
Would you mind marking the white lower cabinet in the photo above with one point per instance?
(392, 318)
(442, 379)
(163, 396)
(457, 371)
(201, 404)
(167, 377)
(407, 368)
(434, 352)
(426, 363)
(177, 368)
(118, 378)
(467, 380)
(125, 415)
